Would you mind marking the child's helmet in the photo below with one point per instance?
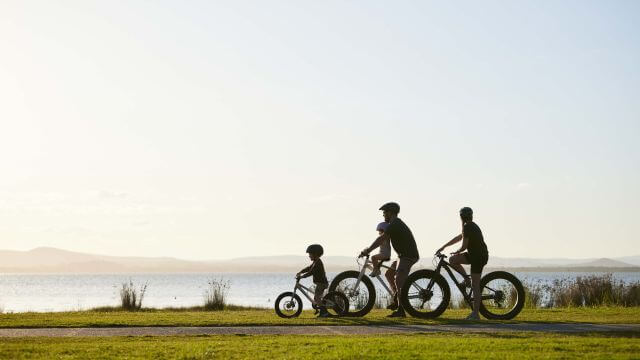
(382, 226)
(315, 249)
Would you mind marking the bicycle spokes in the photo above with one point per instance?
(425, 295)
(499, 296)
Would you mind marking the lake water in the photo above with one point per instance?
(68, 292)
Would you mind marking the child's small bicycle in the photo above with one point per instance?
(289, 304)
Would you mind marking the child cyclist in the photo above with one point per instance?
(385, 251)
(316, 269)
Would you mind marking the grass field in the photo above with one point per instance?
(477, 346)
(268, 317)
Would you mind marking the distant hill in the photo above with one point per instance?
(52, 260)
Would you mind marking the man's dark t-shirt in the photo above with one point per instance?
(317, 270)
(475, 245)
(402, 239)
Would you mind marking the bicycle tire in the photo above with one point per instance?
(295, 297)
(503, 275)
(352, 274)
(427, 275)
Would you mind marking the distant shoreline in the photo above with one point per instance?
(13, 271)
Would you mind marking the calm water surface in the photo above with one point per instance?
(65, 292)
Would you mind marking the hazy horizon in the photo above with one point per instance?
(204, 130)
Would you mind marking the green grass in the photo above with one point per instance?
(174, 317)
(435, 346)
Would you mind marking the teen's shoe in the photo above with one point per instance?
(375, 272)
(473, 316)
(397, 314)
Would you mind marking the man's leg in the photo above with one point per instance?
(402, 272)
(390, 274)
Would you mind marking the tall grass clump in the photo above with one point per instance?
(535, 295)
(130, 298)
(594, 290)
(215, 297)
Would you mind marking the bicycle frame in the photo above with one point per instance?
(443, 264)
(304, 290)
(368, 262)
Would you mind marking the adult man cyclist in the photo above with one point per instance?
(477, 255)
(403, 243)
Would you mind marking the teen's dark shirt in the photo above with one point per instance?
(475, 243)
(402, 239)
(317, 270)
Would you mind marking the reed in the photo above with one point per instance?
(215, 297)
(130, 297)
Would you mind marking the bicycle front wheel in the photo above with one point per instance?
(425, 294)
(288, 305)
(361, 294)
(502, 296)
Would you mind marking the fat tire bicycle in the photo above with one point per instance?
(426, 293)
(289, 304)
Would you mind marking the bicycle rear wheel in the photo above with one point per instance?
(336, 303)
(425, 294)
(502, 296)
(288, 305)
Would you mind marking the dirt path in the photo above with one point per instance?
(317, 330)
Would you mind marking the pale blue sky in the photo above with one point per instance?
(203, 129)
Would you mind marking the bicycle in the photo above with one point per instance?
(361, 298)
(502, 293)
(289, 304)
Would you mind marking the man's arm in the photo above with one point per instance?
(451, 242)
(379, 241)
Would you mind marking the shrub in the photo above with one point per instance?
(215, 296)
(130, 298)
(594, 290)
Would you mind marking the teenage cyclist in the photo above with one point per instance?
(403, 243)
(477, 255)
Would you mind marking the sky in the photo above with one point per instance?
(223, 129)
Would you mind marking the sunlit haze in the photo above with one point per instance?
(211, 130)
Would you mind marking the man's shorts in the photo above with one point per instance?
(477, 262)
(405, 264)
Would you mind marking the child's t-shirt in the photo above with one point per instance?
(317, 270)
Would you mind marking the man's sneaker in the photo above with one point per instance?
(375, 272)
(397, 314)
(392, 306)
(473, 316)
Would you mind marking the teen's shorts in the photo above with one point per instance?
(477, 262)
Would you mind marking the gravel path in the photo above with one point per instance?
(317, 330)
